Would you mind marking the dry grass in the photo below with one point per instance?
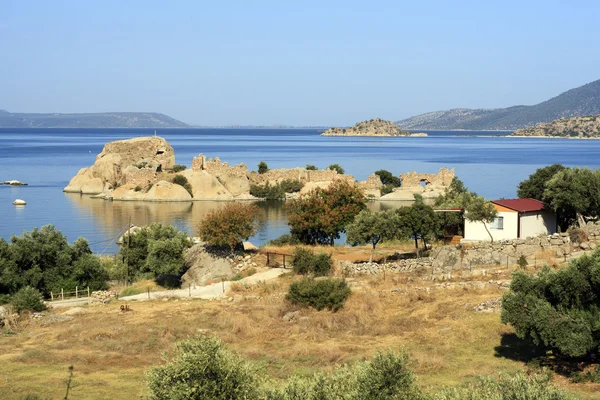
(111, 350)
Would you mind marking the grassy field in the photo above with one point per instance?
(111, 350)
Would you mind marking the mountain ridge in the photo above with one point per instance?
(89, 120)
(577, 102)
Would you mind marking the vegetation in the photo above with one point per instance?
(336, 167)
(388, 180)
(277, 191)
(330, 293)
(229, 225)
(305, 262)
(262, 167)
(311, 167)
(44, 260)
(574, 193)
(155, 250)
(419, 221)
(558, 310)
(283, 240)
(27, 298)
(179, 167)
(321, 215)
(372, 227)
(182, 181)
(479, 210)
(575, 127)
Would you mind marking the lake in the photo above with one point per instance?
(46, 159)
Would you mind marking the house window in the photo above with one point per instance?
(498, 223)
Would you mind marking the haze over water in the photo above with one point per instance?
(46, 159)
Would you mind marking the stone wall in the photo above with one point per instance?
(140, 176)
(216, 167)
(301, 174)
(477, 257)
(442, 179)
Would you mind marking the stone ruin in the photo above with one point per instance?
(217, 167)
(440, 180)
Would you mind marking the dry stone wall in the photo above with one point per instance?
(442, 179)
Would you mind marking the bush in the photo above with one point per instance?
(557, 310)
(291, 185)
(182, 181)
(517, 387)
(522, 262)
(330, 293)
(179, 168)
(304, 262)
(262, 167)
(337, 167)
(203, 369)
(229, 225)
(311, 167)
(267, 191)
(27, 298)
(138, 188)
(283, 240)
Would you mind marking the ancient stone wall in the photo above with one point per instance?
(442, 179)
(216, 167)
(140, 176)
(301, 174)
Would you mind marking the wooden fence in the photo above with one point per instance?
(77, 293)
(272, 257)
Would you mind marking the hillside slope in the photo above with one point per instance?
(576, 127)
(578, 102)
(88, 120)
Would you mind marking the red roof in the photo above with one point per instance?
(521, 205)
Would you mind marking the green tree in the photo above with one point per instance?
(262, 167)
(388, 180)
(480, 210)
(322, 214)
(330, 293)
(535, 186)
(337, 167)
(574, 193)
(28, 298)
(203, 369)
(230, 224)
(557, 310)
(311, 167)
(182, 181)
(418, 221)
(372, 227)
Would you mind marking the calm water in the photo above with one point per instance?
(48, 158)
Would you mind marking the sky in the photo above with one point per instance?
(296, 63)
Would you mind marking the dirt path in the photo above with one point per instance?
(214, 291)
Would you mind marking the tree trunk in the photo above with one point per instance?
(332, 238)
(372, 251)
(580, 220)
(488, 231)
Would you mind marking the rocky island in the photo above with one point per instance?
(373, 127)
(575, 128)
(144, 169)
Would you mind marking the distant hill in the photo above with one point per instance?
(576, 127)
(372, 127)
(578, 102)
(89, 120)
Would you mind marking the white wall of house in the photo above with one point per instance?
(538, 223)
(476, 230)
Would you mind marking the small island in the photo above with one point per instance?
(570, 128)
(373, 127)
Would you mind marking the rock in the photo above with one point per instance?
(52, 319)
(204, 266)
(167, 191)
(2, 312)
(238, 298)
(19, 202)
(291, 316)
(585, 246)
(373, 127)
(14, 183)
(249, 246)
(76, 311)
(206, 186)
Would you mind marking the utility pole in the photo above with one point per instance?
(128, 247)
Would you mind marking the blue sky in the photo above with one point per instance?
(292, 62)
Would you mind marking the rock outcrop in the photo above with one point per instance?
(429, 186)
(574, 128)
(373, 127)
(135, 161)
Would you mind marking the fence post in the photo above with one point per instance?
(52, 297)
(88, 291)
(190, 289)
(223, 283)
(76, 293)
(284, 261)
(148, 291)
(62, 294)
(268, 259)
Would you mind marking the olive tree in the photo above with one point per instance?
(372, 227)
(229, 225)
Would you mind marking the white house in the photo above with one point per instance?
(517, 218)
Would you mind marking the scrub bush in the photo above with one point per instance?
(330, 293)
(304, 262)
(27, 298)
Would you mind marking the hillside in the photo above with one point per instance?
(576, 127)
(88, 120)
(373, 127)
(578, 102)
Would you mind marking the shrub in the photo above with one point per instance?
(138, 188)
(28, 298)
(557, 310)
(517, 387)
(262, 167)
(229, 225)
(291, 185)
(267, 191)
(337, 167)
(179, 168)
(304, 262)
(311, 167)
(522, 262)
(182, 181)
(330, 293)
(577, 235)
(203, 369)
(283, 240)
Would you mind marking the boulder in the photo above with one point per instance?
(14, 183)
(76, 311)
(236, 185)
(19, 202)
(204, 266)
(206, 186)
(167, 191)
(310, 186)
